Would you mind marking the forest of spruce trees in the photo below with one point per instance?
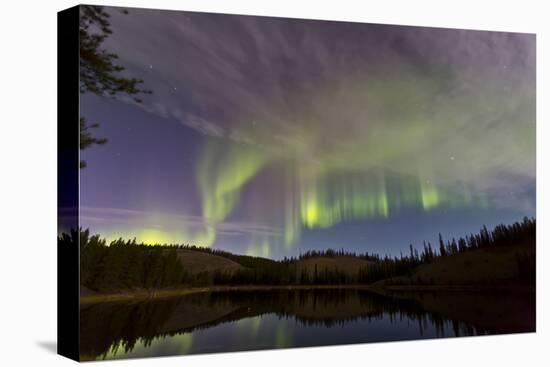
(125, 264)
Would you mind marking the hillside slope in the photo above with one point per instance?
(195, 262)
(348, 264)
(483, 266)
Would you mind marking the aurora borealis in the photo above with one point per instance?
(272, 136)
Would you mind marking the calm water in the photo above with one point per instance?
(235, 321)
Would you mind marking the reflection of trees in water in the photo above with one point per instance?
(117, 327)
(121, 326)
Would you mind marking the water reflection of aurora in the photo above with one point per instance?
(231, 321)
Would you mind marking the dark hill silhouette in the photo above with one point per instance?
(124, 265)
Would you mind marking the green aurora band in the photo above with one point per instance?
(377, 164)
(359, 142)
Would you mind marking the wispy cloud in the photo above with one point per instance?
(340, 109)
(136, 219)
(354, 95)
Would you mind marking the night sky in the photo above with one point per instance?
(272, 136)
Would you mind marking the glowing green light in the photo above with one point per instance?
(222, 172)
(328, 200)
(311, 214)
(282, 337)
(259, 247)
(429, 195)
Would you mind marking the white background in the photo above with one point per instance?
(28, 183)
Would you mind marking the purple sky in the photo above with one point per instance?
(272, 136)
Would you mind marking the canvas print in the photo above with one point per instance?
(251, 182)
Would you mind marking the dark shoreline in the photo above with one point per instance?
(148, 294)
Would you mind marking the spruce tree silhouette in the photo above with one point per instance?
(99, 72)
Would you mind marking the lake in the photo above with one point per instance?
(251, 320)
